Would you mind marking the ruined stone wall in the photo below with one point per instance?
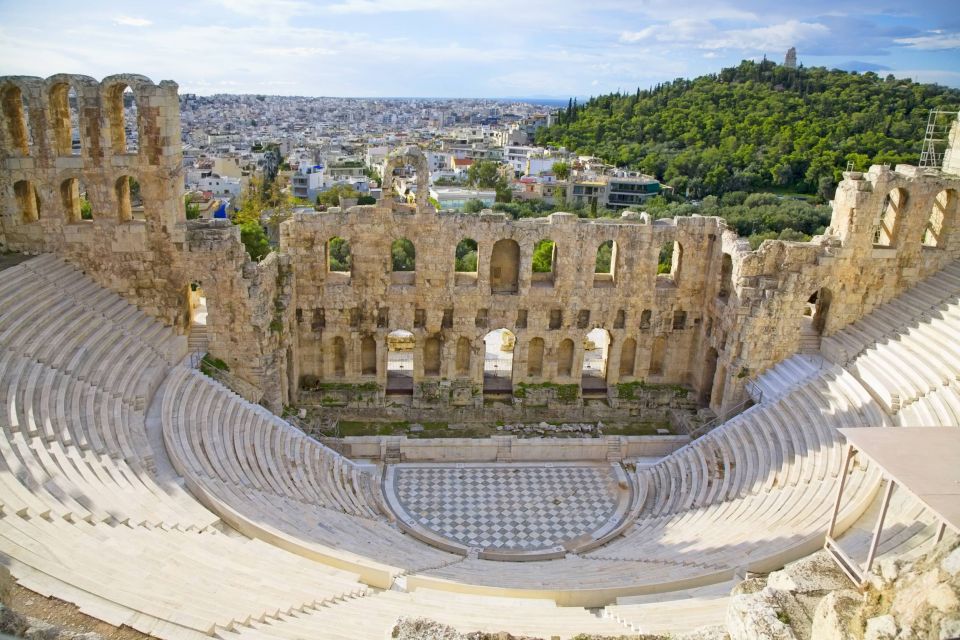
(722, 316)
(150, 257)
(435, 302)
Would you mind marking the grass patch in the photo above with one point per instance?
(209, 364)
(564, 392)
(628, 390)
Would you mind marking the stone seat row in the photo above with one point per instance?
(67, 451)
(188, 581)
(374, 617)
(698, 546)
(84, 518)
(701, 546)
(936, 296)
(51, 328)
(786, 374)
(215, 434)
(112, 307)
(940, 407)
(779, 444)
(922, 357)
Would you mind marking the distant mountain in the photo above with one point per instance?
(755, 126)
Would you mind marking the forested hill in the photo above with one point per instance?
(755, 126)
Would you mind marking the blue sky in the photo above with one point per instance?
(467, 48)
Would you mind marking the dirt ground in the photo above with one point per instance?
(66, 616)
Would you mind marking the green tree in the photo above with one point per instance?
(403, 254)
(340, 257)
(331, 197)
(86, 209)
(665, 261)
(754, 126)
(191, 208)
(604, 257)
(466, 256)
(473, 205)
(254, 238)
(484, 174)
(561, 170)
(543, 257)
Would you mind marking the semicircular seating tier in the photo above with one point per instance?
(907, 352)
(93, 512)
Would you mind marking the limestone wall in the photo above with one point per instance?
(151, 256)
(721, 316)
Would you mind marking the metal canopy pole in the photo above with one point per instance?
(847, 459)
(879, 528)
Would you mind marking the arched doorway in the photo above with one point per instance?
(198, 341)
(814, 320)
(709, 373)
(498, 348)
(596, 352)
(400, 346)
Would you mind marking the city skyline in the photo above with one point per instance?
(492, 49)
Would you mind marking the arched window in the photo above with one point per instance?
(123, 115)
(65, 114)
(943, 209)
(565, 358)
(886, 227)
(126, 192)
(605, 264)
(726, 276)
(339, 257)
(432, 348)
(15, 115)
(28, 201)
(368, 356)
(339, 357)
(544, 263)
(535, 357)
(463, 356)
(628, 358)
(465, 260)
(505, 267)
(657, 355)
(403, 255)
(70, 197)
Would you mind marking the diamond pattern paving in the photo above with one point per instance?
(508, 507)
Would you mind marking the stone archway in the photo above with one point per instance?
(409, 155)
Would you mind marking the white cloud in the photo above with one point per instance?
(704, 34)
(935, 42)
(773, 37)
(128, 21)
(393, 6)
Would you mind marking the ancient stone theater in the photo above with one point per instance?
(148, 494)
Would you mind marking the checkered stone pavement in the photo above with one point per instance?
(508, 507)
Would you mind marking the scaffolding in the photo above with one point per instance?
(935, 138)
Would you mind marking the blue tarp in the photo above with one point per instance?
(221, 211)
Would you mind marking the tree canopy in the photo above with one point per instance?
(755, 126)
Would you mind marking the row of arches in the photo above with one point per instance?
(888, 224)
(499, 365)
(504, 268)
(74, 206)
(66, 119)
